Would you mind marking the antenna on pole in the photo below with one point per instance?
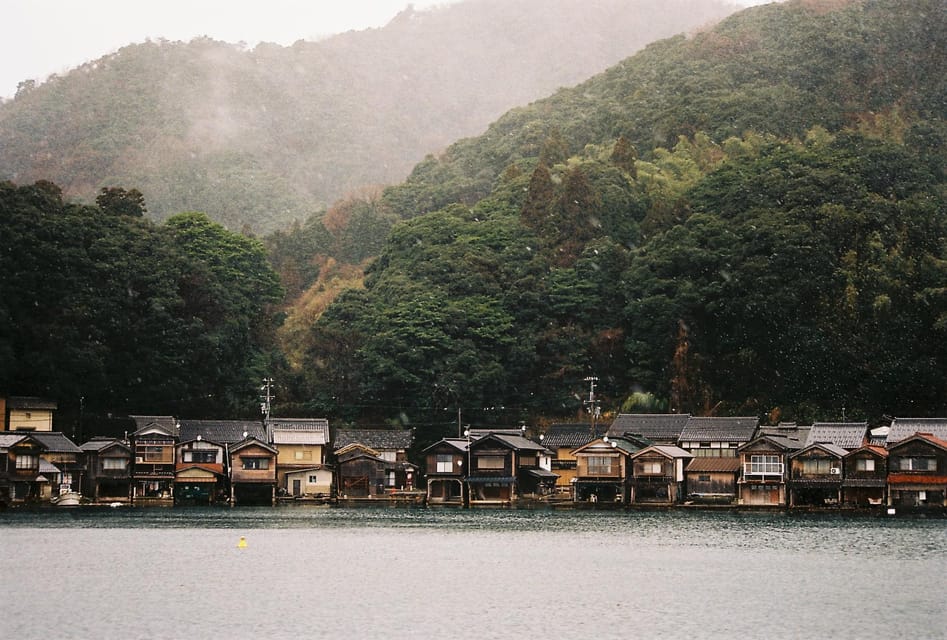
(592, 403)
(267, 398)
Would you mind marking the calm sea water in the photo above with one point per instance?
(452, 573)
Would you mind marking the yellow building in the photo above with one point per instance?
(26, 413)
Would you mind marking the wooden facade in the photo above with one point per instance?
(917, 473)
(712, 480)
(763, 471)
(27, 413)
(446, 462)
(865, 477)
(108, 470)
(200, 472)
(657, 475)
(252, 472)
(601, 470)
(815, 476)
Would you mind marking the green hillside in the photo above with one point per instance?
(750, 220)
(259, 138)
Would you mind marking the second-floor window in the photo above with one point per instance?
(200, 456)
(256, 463)
(444, 463)
(865, 464)
(304, 455)
(650, 467)
(600, 465)
(151, 453)
(917, 464)
(114, 464)
(817, 466)
(765, 464)
(490, 462)
(27, 461)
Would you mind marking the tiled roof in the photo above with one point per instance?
(668, 450)
(788, 444)
(30, 402)
(926, 437)
(11, 438)
(520, 443)
(789, 430)
(659, 427)
(848, 435)
(221, 431)
(460, 444)
(572, 435)
(98, 443)
(825, 446)
(719, 429)
(55, 442)
(378, 439)
(168, 423)
(299, 430)
(902, 428)
(711, 465)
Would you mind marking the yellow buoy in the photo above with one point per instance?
(242, 544)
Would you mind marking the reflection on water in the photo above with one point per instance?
(454, 573)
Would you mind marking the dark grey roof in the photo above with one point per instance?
(789, 444)
(168, 423)
(221, 431)
(520, 443)
(572, 435)
(30, 402)
(788, 430)
(55, 442)
(902, 428)
(719, 429)
(378, 439)
(658, 427)
(848, 435)
(98, 443)
(10, 438)
(826, 446)
(460, 444)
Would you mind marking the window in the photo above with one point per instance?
(391, 479)
(303, 455)
(151, 453)
(765, 464)
(388, 456)
(703, 478)
(200, 456)
(27, 461)
(256, 463)
(649, 467)
(114, 464)
(490, 462)
(444, 462)
(817, 466)
(865, 464)
(313, 479)
(600, 465)
(917, 464)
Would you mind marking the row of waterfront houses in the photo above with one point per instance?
(638, 459)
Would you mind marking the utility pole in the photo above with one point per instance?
(267, 399)
(592, 403)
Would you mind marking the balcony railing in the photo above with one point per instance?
(763, 469)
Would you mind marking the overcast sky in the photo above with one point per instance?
(42, 37)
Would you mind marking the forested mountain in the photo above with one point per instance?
(750, 220)
(259, 138)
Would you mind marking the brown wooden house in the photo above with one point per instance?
(865, 476)
(712, 480)
(200, 472)
(499, 466)
(917, 473)
(815, 475)
(602, 469)
(657, 475)
(252, 472)
(363, 473)
(562, 439)
(108, 464)
(153, 445)
(22, 468)
(446, 463)
(763, 472)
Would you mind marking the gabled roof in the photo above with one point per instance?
(847, 435)
(99, 444)
(30, 402)
(828, 447)
(221, 431)
(659, 427)
(460, 444)
(251, 441)
(625, 445)
(788, 430)
(572, 435)
(781, 442)
(666, 450)
(378, 439)
(10, 438)
(902, 428)
(714, 465)
(55, 442)
(478, 433)
(878, 451)
(163, 424)
(357, 446)
(314, 431)
(519, 443)
(924, 437)
(720, 429)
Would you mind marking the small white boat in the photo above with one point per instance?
(68, 499)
